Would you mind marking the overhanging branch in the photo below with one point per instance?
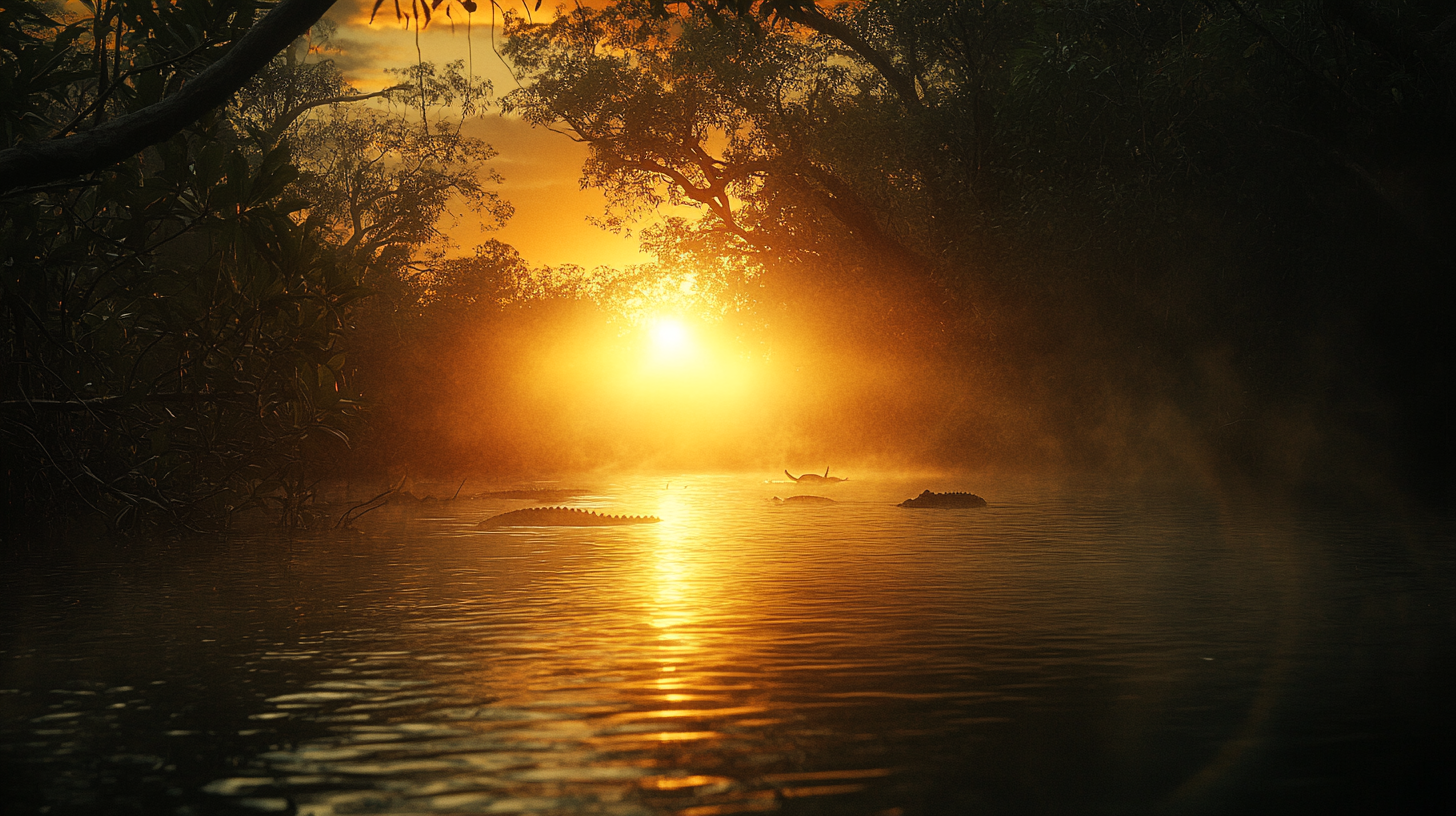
(39, 163)
(903, 84)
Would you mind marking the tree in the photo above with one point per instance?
(727, 116)
(176, 329)
(381, 180)
(44, 161)
(1097, 200)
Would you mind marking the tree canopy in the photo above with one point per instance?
(1119, 213)
(1189, 234)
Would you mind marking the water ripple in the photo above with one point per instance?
(1061, 649)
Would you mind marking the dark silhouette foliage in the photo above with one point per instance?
(1206, 234)
(174, 328)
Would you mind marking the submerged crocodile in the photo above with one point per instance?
(814, 478)
(944, 500)
(560, 517)
(803, 500)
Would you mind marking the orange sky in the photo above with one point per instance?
(542, 170)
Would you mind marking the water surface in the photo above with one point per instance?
(1070, 648)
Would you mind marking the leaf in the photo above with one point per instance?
(335, 432)
(237, 176)
(266, 188)
(160, 443)
(209, 165)
(278, 157)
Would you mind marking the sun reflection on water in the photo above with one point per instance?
(740, 656)
(674, 605)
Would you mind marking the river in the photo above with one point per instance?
(1072, 647)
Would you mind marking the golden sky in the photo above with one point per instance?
(542, 170)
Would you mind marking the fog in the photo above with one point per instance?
(534, 386)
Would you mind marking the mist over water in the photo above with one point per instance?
(1073, 647)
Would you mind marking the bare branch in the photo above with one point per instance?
(298, 110)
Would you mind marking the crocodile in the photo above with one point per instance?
(803, 500)
(814, 478)
(560, 517)
(941, 501)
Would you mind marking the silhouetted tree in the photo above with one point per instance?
(1159, 225)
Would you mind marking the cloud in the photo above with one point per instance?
(359, 56)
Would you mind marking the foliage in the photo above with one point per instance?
(1118, 211)
(379, 180)
(175, 330)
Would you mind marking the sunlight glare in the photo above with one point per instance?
(671, 341)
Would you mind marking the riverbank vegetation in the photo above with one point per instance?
(175, 327)
(1206, 237)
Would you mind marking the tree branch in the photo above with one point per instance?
(88, 405)
(1293, 57)
(116, 83)
(902, 83)
(38, 163)
(304, 107)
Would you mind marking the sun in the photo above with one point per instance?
(671, 340)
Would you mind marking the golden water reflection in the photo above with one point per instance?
(681, 575)
(1061, 651)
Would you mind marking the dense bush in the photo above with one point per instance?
(174, 328)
